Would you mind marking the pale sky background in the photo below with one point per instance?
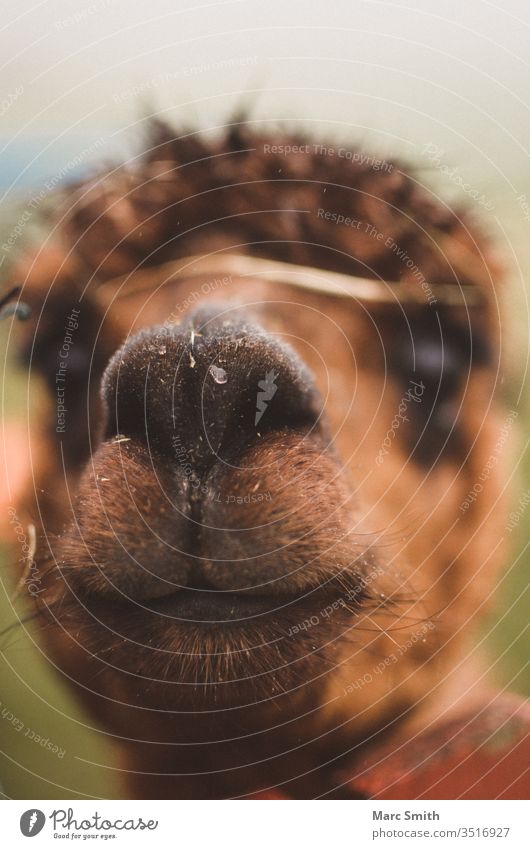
(78, 78)
(398, 75)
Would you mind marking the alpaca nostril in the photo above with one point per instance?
(210, 385)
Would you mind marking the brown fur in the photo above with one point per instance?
(376, 553)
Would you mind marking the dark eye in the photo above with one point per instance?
(437, 351)
(47, 360)
(67, 346)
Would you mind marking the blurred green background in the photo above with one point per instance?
(395, 79)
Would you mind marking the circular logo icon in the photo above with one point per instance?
(31, 822)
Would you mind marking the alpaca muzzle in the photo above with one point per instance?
(213, 475)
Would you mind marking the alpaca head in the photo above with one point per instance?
(256, 490)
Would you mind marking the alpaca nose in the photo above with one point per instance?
(207, 388)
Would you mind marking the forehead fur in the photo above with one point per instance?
(276, 195)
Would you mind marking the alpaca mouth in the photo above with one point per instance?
(208, 608)
(216, 650)
(211, 607)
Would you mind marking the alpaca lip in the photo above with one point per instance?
(212, 607)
